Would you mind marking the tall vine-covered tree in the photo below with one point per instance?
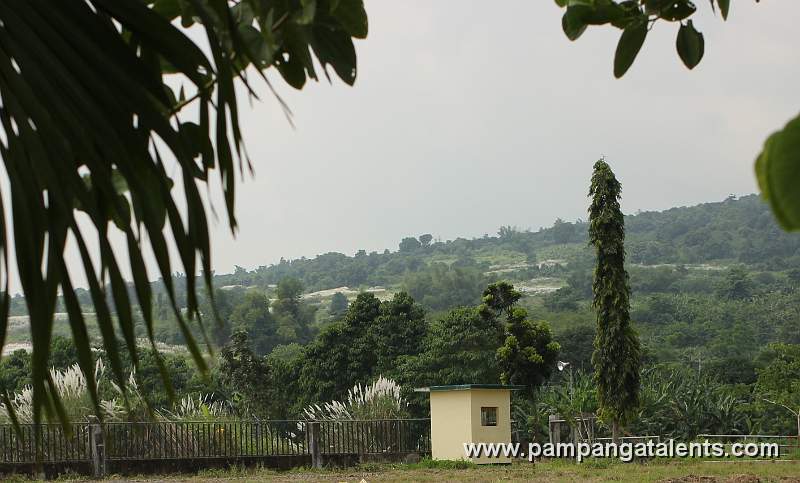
(616, 357)
(96, 143)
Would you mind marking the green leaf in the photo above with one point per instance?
(295, 63)
(653, 7)
(336, 48)
(80, 337)
(778, 172)
(629, 13)
(119, 290)
(724, 7)
(259, 48)
(605, 11)
(690, 45)
(630, 43)
(197, 141)
(104, 320)
(12, 414)
(169, 9)
(574, 21)
(353, 17)
(678, 10)
(243, 14)
(306, 14)
(120, 185)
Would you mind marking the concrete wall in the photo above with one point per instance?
(456, 419)
(501, 399)
(450, 424)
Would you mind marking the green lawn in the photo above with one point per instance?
(553, 471)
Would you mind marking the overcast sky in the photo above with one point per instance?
(467, 116)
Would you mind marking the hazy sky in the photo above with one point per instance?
(469, 115)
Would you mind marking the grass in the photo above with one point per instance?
(667, 471)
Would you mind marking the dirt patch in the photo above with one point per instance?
(714, 479)
(692, 479)
(743, 479)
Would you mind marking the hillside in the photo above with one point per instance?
(678, 259)
(705, 236)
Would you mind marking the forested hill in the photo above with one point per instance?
(728, 232)
(445, 274)
(735, 230)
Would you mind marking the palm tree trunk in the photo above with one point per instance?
(615, 430)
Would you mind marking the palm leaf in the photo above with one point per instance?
(85, 118)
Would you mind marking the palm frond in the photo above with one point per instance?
(87, 122)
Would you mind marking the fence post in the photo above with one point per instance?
(38, 453)
(399, 427)
(98, 447)
(316, 454)
(555, 428)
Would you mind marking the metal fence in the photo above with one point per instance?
(54, 445)
(182, 440)
(631, 439)
(375, 436)
(787, 445)
(218, 439)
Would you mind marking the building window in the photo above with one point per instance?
(489, 416)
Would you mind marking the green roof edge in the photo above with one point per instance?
(465, 387)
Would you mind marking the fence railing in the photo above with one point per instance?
(218, 439)
(181, 440)
(54, 445)
(787, 445)
(632, 439)
(375, 436)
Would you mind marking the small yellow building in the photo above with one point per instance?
(469, 413)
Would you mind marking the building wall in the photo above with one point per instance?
(450, 424)
(456, 419)
(501, 399)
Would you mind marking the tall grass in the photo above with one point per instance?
(375, 402)
(379, 400)
(72, 389)
(116, 404)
